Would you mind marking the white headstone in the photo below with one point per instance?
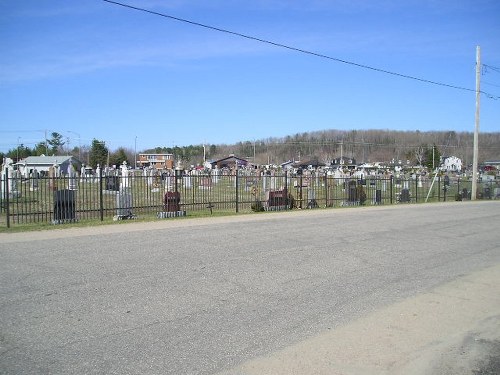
(71, 177)
(125, 182)
(98, 173)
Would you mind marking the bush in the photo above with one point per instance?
(257, 206)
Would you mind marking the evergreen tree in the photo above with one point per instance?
(55, 142)
(40, 149)
(118, 157)
(432, 158)
(98, 153)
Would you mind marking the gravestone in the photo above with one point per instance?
(277, 200)
(215, 175)
(273, 180)
(124, 205)
(71, 177)
(311, 199)
(82, 173)
(186, 180)
(205, 183)
(35, 176)
(171, 201)
(111, 183)
(171, 205)
(11, 176)
(124, 180)
(97, 174)
(352, 192)
(496, 193)
(465, 194)
(487, 193)
(405, 196)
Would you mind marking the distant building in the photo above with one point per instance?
(42, 164)
(229, 162)
(158, 161)
(492, 163)
(287, 165)
(452, 164)
(313, 164)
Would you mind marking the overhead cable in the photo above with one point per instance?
(299, 49)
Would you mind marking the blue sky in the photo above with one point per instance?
(90, 69)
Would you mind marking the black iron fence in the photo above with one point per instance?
(69, 199)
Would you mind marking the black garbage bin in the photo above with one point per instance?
(64, 205)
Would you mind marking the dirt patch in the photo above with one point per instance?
(454, 329)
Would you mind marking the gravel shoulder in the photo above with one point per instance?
(452, 330)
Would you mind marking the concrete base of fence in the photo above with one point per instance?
(276, 208)
(124, 217)
(166, 215)
(63, 221)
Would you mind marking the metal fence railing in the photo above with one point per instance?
(69, 199)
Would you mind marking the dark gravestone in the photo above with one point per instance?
(64, 206)
(112, 183)
(277, 198)
(465, 194)
(352, 192)
(405, 196)
(378, 196)
(172, 201)
(487, 193)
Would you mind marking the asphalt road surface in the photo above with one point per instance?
(411, 289)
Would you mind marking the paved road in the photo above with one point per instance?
(203, 296)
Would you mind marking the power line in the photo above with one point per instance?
(490, 67)
(299, 49)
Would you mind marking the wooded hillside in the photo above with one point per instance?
(363, 145)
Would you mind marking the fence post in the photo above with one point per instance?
(326, 189)
(416, 187)
(101, 202)
(439, 188)
(6, 190)
(390, 187)
(286, 189)
(237, 189)
(300, 189)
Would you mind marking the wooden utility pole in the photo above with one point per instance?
(476, 131)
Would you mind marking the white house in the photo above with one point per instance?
(452, 164)
(42, 164)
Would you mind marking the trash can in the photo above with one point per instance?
(64, 205)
